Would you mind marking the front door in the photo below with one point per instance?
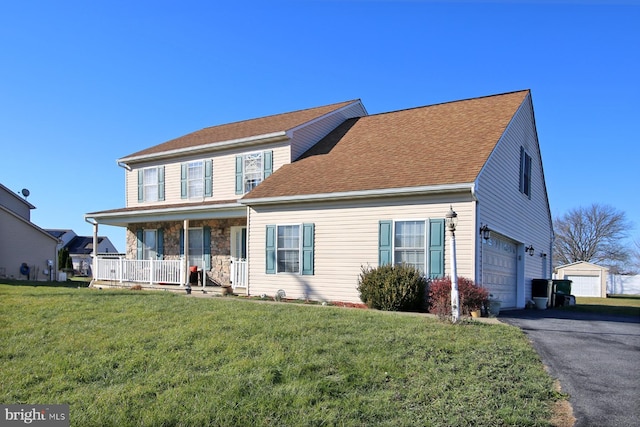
(239, 242)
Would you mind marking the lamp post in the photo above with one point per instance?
(451, 219)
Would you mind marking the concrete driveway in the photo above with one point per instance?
(595, 357)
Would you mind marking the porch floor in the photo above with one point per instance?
(198, 291)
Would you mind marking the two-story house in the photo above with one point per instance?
(301, 201)
(26, 250)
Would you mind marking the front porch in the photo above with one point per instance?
(173, 273)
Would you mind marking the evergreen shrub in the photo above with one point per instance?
(393, 288)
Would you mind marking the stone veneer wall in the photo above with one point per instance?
(220, 243)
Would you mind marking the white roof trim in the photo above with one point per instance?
(310, 122)
(267, 137)
(227, 210)
(385, 192)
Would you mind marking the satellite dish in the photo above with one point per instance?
(25, 192)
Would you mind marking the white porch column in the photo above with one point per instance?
(94, 259)
(185, 259)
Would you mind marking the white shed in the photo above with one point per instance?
(588, 280)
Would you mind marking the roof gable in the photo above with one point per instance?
(441, 144)
(240, 130)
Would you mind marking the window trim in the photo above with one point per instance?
(305, 250)
(157, 185)
(433, 249)
(191, 181)
(526, 164)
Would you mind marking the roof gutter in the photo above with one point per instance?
(386, 192)
(238, 142)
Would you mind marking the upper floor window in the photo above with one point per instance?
(525, 173)
(196, 179)
(151, 184)
(252, 169)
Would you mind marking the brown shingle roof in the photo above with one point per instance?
(433, 145)
(242, 129)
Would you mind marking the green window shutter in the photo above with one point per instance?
(181, 241)
(436, 248)
(208, 178)
(268, 163)
(160, 237)
(307, 248)
(140, 185)
(139, 244)
(521, 169)
(183, 181)
(161, 183)
(206, 250)
(270, 260)
(385, 242)
(239, 180)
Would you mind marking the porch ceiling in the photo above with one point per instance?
(123, 217)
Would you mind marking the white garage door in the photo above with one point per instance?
(585, 286)
(500, 269)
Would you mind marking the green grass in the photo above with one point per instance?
(624, 305)
(121, 358)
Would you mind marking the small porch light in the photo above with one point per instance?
(530, 250)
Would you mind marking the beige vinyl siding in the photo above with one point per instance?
(24, 242)
(309, 134)
(527, 220)
(346, 238)
(223, 175)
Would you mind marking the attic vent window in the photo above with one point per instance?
(525, 173)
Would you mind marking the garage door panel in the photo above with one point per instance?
(585, 286)
(499, 269)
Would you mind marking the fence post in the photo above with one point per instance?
(120, 269)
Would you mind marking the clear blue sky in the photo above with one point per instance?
(83, 83)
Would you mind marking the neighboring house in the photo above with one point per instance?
(587, 280)
(301, 201)
(80, 248)
(26, 250)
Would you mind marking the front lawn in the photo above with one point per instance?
(624, 305)
(157, 358)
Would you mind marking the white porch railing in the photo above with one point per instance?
(120, 269)
(238, 273)
(139, 271)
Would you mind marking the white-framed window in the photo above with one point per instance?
(150, 244)
(290, 248)
(195, 179)
(252, 171)
(151, 184)
(410, 242)
(525, 172)
(417, 242)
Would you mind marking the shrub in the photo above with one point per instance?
(392, 288)
(472, 296)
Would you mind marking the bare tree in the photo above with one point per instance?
(594, 234)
